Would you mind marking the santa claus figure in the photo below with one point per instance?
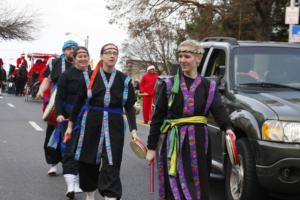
(20, 61)
(147, 85)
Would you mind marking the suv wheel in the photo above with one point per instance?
(241, 181)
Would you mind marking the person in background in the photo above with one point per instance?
(21, 61)
(68, 88)
(11, 88)
(102, 127)
(51, 75)
(181, 110)
(2, 76)
(21, 79)
(147, 86)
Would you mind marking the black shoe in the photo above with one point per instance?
(70, 195)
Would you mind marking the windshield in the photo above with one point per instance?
(256, 65)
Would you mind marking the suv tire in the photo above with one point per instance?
(241, 181)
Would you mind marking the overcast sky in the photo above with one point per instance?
(81, 17)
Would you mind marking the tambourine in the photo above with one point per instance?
(49, 114)
(138, 148)
(231, 149)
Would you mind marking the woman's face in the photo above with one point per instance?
(82, 60)
(188, 61)
(110, 56)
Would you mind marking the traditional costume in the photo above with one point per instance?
(68, 88)
(102, 130)
(54, 69)
(180, 118)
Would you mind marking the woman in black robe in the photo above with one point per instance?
(181, 109)
(102, 127)
(68, 88)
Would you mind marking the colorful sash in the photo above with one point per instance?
(176, 130)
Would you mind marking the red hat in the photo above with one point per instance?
(150, 67)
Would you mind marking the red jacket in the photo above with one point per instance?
(148, 83)
(37, 68)
(21, 60)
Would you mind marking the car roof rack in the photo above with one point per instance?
(230, 40)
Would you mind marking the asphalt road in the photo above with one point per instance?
(23, 170)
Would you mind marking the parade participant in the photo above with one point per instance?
(51, 75)
(21, 79)
(22, 61)
(181, 111)
(2, 76)
(11, 88)
(102, 127)
(36, 69)
(67, 90)
(147, 92)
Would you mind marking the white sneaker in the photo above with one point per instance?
(90, 195)
(53, 170)
(77, 188)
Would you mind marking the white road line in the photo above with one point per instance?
(1, 97)
(35, 126)
(10, 105)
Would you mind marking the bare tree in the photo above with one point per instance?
(154, 46)
(253, 19)
(140, 15)
(17, 24)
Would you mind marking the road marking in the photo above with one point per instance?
(35, 126)
(1, 97)
(10, 105)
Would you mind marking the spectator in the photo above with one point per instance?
(2, 76)
(147, 91)
(21, 79)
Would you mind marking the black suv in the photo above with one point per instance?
(260, 87)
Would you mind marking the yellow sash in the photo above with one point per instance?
(173, 124)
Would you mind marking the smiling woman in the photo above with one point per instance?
(180, 117)
(67, 91)
(101, 125)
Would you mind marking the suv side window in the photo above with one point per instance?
(206, 50)
(216, 60)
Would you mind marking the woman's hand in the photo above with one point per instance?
(67, 135)
(39, 94)
(68, 132)
(134, 135)
(150, 155)
(60, 118)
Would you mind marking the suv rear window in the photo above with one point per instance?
(280, 65)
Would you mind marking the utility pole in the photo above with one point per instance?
(86, 42)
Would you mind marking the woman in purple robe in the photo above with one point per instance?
(182, 106)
